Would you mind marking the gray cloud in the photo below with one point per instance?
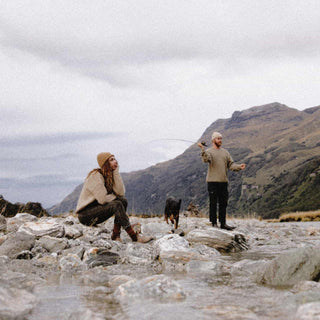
(55, 138)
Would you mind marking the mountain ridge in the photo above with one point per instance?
(273, 140)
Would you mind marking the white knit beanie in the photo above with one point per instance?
(216, 135)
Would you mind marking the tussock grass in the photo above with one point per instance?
(300, 216)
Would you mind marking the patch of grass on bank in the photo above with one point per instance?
(300, 216)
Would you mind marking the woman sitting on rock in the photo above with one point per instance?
(102, 196)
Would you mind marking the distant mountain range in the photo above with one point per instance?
(280, 146)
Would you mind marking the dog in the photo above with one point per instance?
(171, 211)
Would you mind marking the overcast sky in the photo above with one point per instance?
(80, 77)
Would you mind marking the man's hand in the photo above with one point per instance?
(200, 145)
(242, 166)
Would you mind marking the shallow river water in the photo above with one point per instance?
(227, 294)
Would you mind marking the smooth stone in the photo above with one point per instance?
(153, 287)
(291, 267)
(16, 243)
(53, 244)
(43, 228)
(222, 240)
(16, 303)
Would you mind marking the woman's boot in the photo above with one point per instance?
(116, 232)
(137, 237)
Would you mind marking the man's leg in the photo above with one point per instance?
(213, 197)
(223, 202)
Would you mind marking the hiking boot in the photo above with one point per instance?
(226, 227)
(143, 239)
(215, 225)
(117, 239)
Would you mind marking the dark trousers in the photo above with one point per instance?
(96, 213)
(218, 193)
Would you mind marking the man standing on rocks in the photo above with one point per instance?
(220, 161)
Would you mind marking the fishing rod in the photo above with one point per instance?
(166, 139)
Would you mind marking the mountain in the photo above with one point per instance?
(280, 146)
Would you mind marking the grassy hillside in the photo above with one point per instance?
(280, 146)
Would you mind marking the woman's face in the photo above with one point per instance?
(113, 163)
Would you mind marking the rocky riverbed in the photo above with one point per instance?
(56, 268)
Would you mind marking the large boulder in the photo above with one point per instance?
(16, 243)
(289, 268)
(224, 241)
(43, 228)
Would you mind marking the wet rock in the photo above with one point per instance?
(43, 228)
(308, 311)
(100, 257)
(116, 281)
(71, 263)
(16, 303)
(214, 268)
(230, 312)
(3, 223)
(19, 219)
(291, 267)
(16, 243)
(53, 244)
(224, 241)
(246, 267)
(97, 276)
(154, 287)
(86, 315)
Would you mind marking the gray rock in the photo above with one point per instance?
(71, 263)
(309, 311)
(96, 276)
(43, 228)
(224, 241)
(154, 287)
(53, 244)
(16, 243)
(15, 303)
(100, 257)
(214, 268)
(291, 267)
(19, 219)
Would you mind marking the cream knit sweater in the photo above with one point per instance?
(219, 161)
(94, 189)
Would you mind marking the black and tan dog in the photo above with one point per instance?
(171, 211)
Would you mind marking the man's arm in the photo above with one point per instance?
(234, 166)
(204, 155)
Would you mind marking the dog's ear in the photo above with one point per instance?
(179, 201)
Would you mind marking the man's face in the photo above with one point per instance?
(217, 142)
